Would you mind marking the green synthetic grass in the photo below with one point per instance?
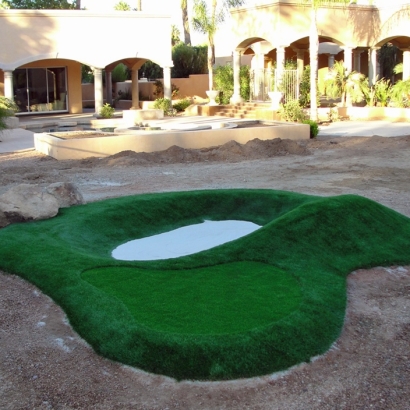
(222, 299)
(256, 305)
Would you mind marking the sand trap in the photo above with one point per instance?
(183, 241)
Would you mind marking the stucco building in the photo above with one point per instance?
(278, 30)
(41, 54)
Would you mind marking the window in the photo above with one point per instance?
(38, 90)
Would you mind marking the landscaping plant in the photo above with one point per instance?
(7, 109)
(292, 111)
(107, 111)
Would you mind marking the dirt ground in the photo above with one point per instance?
(45, 365)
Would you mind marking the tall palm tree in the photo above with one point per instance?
(314, 48)
(185, 22)
(207, 21)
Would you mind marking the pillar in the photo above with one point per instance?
(280, 64)
(135, 91)
(167, 83)
(373, 65)
(331, 60)
(236, 97)
(348, 58)
(356, 60)
(108, 86)
(406, 64)
(300, 55)
(8, 85)
(98, 90)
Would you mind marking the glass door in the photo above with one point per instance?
(39, 90)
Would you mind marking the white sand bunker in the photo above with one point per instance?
(183, 241)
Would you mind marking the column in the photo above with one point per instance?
(356, 60)
(135, 90)
(8, 85)
(236, 97)
(348, 60)
(280, 64)
(167, 83)
(98, 90)
(331, 60)
(373, 65)
(300, 55)
(406, 64)
(108, 86)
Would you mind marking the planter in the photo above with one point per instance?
(276, 98)
(212, 94)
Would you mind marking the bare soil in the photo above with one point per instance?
(45, 365)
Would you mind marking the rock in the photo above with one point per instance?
(27, 202)
(66, 194)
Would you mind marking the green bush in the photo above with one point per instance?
(120, 73)
(164, 104)
(314, 128)
(107, 111)
(188, 60)
(292, 111)
(223, 80)
(182, 105)
(7, 109)
(151, 71)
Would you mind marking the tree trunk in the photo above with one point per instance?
(139, 8)
(78, 4)
(210, 66)
(314, 52)
(185, 22)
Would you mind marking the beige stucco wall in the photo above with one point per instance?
(95, 39)
(286, 22)
(74, 83)
(157, 141)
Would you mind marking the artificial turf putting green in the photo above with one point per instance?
(256, 305)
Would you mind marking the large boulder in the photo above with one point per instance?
(66, 194)
(27, 202)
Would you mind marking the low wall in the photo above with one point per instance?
(376, 113)
(146, 141)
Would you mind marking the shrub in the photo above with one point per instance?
(400, 94)
(188, 60)
(7, 109)
(165, 104)
(292, 111)
(181, 105)
(107, 111)
(120, 73)
(150, 70)
(223, 80)
(314, 128)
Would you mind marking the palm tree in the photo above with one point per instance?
(344, 84)
(139, 7)
(314, 48)
(185, 22)
(207, 21)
